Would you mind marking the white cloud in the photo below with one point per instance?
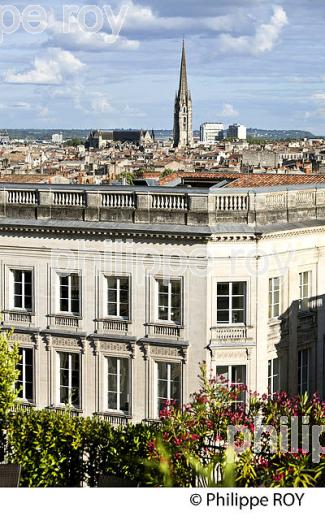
(319, 96)
(264, 39)
(52, 68)
(133, 112)
(144, 19)
(72, 36)
(100, 104)
(319, 109)
(229, 111)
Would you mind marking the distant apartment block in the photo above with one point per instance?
(57, 138)
(237, 131)
(116, 294)
(211, 132)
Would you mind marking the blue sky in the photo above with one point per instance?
(256, 62)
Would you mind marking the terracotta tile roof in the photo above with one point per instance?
(25, 179)
(249, 180)
(273, 179)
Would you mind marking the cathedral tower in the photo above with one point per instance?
(183, 133)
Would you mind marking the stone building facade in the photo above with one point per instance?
(117, 294)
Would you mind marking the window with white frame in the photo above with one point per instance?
(232, 376)
(304, 290)
(274, 297)
(169, 376)
(25, 379)
(170, 301)
(231, 302)
(303, 371)
(273, 376)
(69, 379)
(21, 289)
(69, 293)
(118, 297)
(118, 384)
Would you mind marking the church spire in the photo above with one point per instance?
(183, 133)
(183, 86)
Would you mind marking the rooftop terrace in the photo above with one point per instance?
(158, 209)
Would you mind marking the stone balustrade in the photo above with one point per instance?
(163, 205)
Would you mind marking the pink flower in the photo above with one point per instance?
(151, 446)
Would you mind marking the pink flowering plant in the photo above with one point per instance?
(194, 440)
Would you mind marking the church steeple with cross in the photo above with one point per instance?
(183, 133)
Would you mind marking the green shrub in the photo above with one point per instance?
(56, 450)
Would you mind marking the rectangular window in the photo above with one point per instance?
(69, 379)
(273, 376)
(170, 301)
(304, 290)
(168, 384)
(303, 371)
(22, 290)
(231, 302)
(118, 297)
(26, 376)
(232, 376)
(274, 297)
(70, 294)
(118, 384)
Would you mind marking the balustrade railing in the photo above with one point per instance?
(22, 197)
(114, 420)
(232, 202)
(169, 202)
(171, 331)
(229, 334)
(115, 326)
(118, 200)
(68, 199)
(19, 317)
(66, 321)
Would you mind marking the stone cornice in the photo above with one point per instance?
(192, 235)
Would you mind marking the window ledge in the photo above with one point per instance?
(18, 316)
(23, 405)
(164, 329)
(111, 318)
(65, 320)
(115, 419)
(115, 325)
(229, 333)
(63, 409)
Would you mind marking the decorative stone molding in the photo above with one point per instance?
(59, 341)
(169, 352)
(109, 347)
(223, 355)
(21, 338)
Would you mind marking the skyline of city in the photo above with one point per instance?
(268, 73)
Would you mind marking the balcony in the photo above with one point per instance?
(113, 326)
(168, 330)
(114, 419)
(18, 317)
(231, 334)
(64, 321)
(61, 410)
